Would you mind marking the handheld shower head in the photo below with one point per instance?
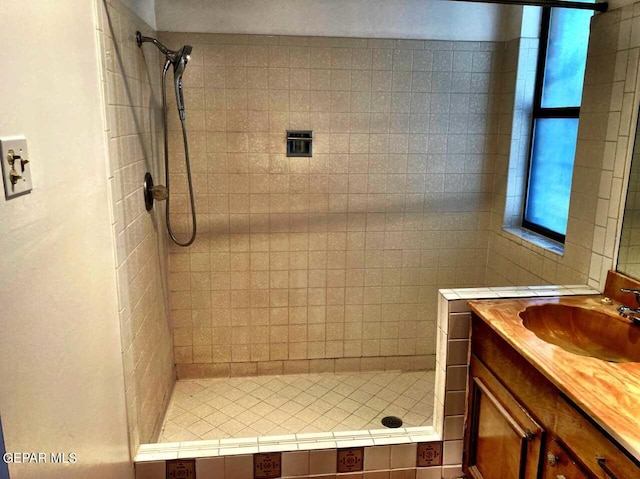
(181, 58)
(179, 65)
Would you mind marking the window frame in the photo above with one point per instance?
(540, 112)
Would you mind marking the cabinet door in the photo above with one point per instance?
(502, 440)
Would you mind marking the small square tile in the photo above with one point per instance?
(267, 465)
(322, 461)
(456, 378)
(353, 475)
(459, 325)
(210, 467)
(452, 472)
(454, 403)
(452, 453)
(181, 468)
(457, 351)
(151, 470)
(403, 455)
(295, 463)
(377, 475)
(377, 457)
(429, 473)
(453, 427)
(240, 467)
(429, 454)
(403, 474)
(350, 459)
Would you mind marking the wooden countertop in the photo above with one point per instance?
(607, 392)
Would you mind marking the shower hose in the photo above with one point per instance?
(166, 165)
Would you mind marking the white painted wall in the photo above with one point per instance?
(145, 9)
(432, 19)
(61, 379)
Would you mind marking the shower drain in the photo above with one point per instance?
(391, 421)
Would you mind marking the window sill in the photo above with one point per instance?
(536, 239)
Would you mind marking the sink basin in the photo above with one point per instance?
(584, 331)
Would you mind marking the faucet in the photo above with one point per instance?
(629, 312)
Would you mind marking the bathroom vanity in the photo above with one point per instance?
(545, 397)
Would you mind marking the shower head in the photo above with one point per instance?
(181, 58)
(179, 64)
(178, 59)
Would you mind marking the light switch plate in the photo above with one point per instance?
(16, 145)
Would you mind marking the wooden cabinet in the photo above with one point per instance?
(519, 425)
(505, 442)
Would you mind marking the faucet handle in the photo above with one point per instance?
(634, 291)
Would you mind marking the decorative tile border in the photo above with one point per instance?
(267, 465)
(367, 462)
(351, 459)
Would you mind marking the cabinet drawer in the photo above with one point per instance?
(589, 444)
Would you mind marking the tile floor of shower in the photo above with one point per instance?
(219, 408)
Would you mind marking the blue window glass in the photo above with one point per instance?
(566, 57)
(554, 149)
(564, 38)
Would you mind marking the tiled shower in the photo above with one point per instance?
(327, 264)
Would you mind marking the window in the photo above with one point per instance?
(564, 37)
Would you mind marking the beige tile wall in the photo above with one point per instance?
(616, 167)
(339, 255)
(516, 260)
(130, 84)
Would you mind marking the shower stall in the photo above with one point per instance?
(306, 302)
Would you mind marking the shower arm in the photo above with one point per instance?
(140, 39)
(597, 7)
